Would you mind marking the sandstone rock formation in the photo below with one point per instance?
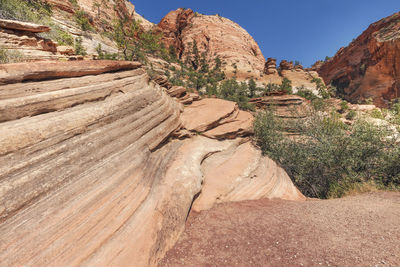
(77, 166)
(270, 66)
(285, 106)
(88, 175)
(22, 36)
(242, 175)
(216, 36)
(217, 119)
(23, 26)
(369, 66)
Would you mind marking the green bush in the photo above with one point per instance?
(31, 11)
(10, 56)
(79, 48)
(344, 106)
(307, 94)
(81, 18)
(377, 114)
(330, 157)
(286, 86)
(351, 115)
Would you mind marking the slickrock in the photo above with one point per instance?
(75, 172)
(89, 175)
(23, 26)
(208, 113)
(19, 72)
(369, 66)
(243, 175)
(241, 126)
(216, 36)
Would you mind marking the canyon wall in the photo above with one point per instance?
(370, 66)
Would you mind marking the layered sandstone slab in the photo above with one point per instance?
(23, 26)
(241, 173)
(369, 66)
(208, 113)
(79, 164)
(19, 72)
(87, 176)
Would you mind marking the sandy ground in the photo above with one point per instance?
(362, 230)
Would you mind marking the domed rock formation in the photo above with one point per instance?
(216, 37)
(370, 66)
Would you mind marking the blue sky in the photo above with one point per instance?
(304, 30)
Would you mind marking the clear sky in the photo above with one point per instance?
(304, 30)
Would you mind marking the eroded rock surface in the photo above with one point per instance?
(89, 175)
(216, 36)
(77, 165)
(369, 66)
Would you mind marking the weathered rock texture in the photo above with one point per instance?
(77, 169)
(89, 176)
(370, 66)
(216, 36)
(22, 37)
(217, 119)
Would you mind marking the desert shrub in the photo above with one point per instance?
(31, 11)
(235, 91)
(377, 114)
(79, 48)
(306, 93)
(322, 89)
(10, 56)
(81, 18)
(344, 106)
(351, 115)
(286, 86)
(330, 157)
(318, 104)
(271, 88)
(60, 36)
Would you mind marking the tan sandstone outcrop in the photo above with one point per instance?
(89, 176)
(216, 36)
(22, 37)
(77, 166)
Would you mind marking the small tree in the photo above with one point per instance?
(79, 48)
(252, 88)
(286, 86)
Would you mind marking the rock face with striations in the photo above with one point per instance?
(216, 36)
(370, 66)
(89, 175)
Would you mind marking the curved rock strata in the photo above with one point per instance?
(73, 174)
(89, 175)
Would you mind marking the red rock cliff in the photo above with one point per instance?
(370, 66)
